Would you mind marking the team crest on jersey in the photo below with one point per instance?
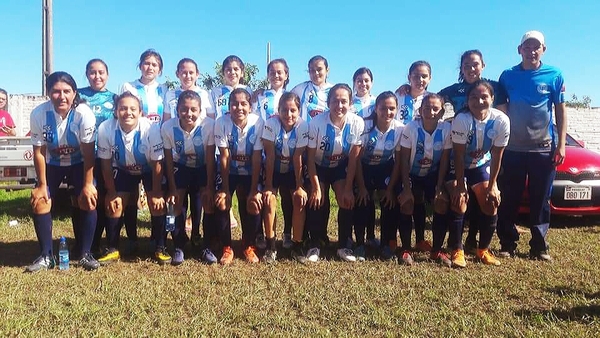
(178, 146)
(142, 148)
(492, 134)
(437, 146)
(108, 105)
(542, 88)
(388, 145)
(197, 140)
(73, 127)
(292, 143)
(350, 138)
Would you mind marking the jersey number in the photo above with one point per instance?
(325, 146)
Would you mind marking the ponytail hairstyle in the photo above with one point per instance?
(66, 78)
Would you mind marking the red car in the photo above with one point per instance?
(576, 188)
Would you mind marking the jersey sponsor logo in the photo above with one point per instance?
(542, 88)
(154, 118)
(545, 144)
(241, 158)
(134, 168)
(425, 162)
(268, 128)
(158, 147)
(375, 157)
(65, 150)
(89, 131)
(458, 133)
(284, 159)
(197, 140)
(405, 136)
(335, 157)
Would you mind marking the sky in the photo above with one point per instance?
(384, 35)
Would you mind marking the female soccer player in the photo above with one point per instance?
(130, 149)
(363, 103)
(63, 133)
(190, 161)
(313, 94)
(333, 152)
(267, 102)
(478, 141)
(425, 158)
(232, 70)
(285, 138)
(376, 172)
(238, 136)
(409, 101)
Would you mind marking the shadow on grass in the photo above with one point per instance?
(584, 314)
(564, 291)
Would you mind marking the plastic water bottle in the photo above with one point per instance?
(170, 225)
(63, 254)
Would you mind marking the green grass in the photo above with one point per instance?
(136, 297)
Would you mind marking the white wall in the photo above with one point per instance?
(20, 107)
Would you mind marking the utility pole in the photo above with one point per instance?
(268, 53)
(47, 47)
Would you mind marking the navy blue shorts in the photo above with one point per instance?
(125, 182)
(473, 176)
(72, 175)
(191, 179)
(332, 175)
(284, 180)
(377, 177)
(425, 185)
(245, 181)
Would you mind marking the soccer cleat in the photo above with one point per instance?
(540, 256)
(270, 257)
(178, 257)
(88, 262)
(486, 257)
(227, 257)
(346, 255)
(162, 256)
(441, 258)
(313, 254)
(41, 263)
(208, 257)
(299, 256)
(250, 254)
(111, 256)
(423, 246)
(405, 258)
(261, 242)
(505, 253)
(387, 253)
(287, 241)
(359, 253)
(458, 258)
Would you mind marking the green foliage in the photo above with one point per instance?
(208, 81)
(584, 103)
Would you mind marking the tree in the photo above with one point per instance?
(208, 81)
(584, 103)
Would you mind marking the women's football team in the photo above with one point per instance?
(192, 150)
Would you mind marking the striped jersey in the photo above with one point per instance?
(285, 142)
(151, 96)
(267, 104)
(333, 144)
(189, 149)
(480, 136)
(425, 149)
(172, 96)
(313, 99)
(456, 95)
(378, 146)
(132, 151)
(101, 103)
(62, 138)
(363, 106)
(240, 142)
(408, 107)
(220, 99)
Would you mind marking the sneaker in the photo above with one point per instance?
(471, 248)
(506, 253)
(287, 241)
(250, 254)
(313, 255)
(540, 256)
(41, 263)
(346, 255)
(178, 257)
(88, 262)
(270, 257)
(299, 256)
(441, 258)
(196, 241)
(162, 256)
(261, 242)
(405, 258)
(359, 253)
(387, 253)
(208, 257)
(423, 246)
(458, 258)
(373, 243)
(486, 257)
(111, 256)
(227, 257)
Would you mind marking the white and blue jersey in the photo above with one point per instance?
(267, 104)
(425, 149)
(531, 94)
(189, 149)
(480, 136)
(456, 95)
(408, 107)
(363, 106)
(151, 96)
(313, 99)
(285, 142)
(172, 96)
(332, 143)
(220, 99)
(378, 146)
(240, 142)
(62, 138)
(132, 151)
(102, 103)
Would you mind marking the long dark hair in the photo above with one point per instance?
(66, 78)
(379, 100)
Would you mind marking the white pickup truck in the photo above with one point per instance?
(16, 163)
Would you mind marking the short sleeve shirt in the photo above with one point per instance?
(378, 146)
(189, 148)
(267, 104)
(425, 149)
(240, 142)
(363, 106)
(151, 95)
(333, 144)
(172, 96)
(286, 143)
(313, 99)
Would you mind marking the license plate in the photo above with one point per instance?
(578, 193)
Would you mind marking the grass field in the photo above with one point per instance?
(136, 297)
